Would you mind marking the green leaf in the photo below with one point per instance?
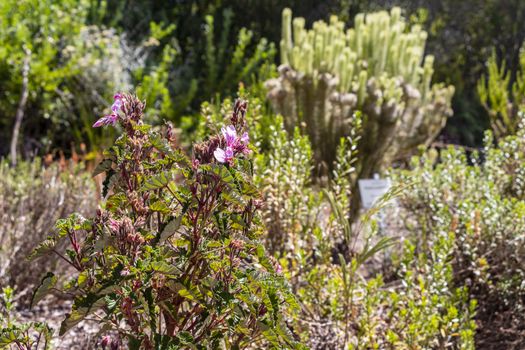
(185, 338)
(77, 315)
(191, 294)
(367, 253)
(116, 200)
(48, 282)
(160, 143)
(159, 206)
(103, 167)
(157, 181)
(109, 182)
(142, 127)
(7, 337)
(165, 268)
(170, 229)
(82, 278)
(223, 173)
(233, 197)
(43, 248)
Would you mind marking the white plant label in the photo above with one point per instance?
(372, 189)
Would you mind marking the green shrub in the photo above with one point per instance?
(13, 335)
(481, 199)
(326, 259)
(70, 68)
(503, 99)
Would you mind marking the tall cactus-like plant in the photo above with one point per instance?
(328, 73)
(501, 98)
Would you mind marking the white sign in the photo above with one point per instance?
(372, 189)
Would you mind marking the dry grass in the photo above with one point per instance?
(32, 198)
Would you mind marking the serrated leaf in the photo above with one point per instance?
(102, 167)
(109, 181)
(223, 173)
(233, 197)
(160, 143)
(157, 181)
(115, 200)
(43, 248)
(159, 206)
(171, 228)
(263, 258)
(191, 294)
(142, 127)
(48, 282)
(77, 315)
(185, 338)
(165, 268)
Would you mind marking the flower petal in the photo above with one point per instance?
(228, 154)
(245, 139)
(220, 155)
(116, 106)
(230, 135)
(106, 120)
(101, 122)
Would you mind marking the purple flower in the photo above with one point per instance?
(223, 156)
(245, 139)
(117, 104)
(234, 145)
(106, 120)
(113, 117)
(230, 135)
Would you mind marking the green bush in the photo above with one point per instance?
(481, 199)
(70, 68)
(333, 265)
(503, 99)
(13, 335)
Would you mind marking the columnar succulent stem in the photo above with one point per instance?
(328, 73)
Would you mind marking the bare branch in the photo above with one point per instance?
(20, 111)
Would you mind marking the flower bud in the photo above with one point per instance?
(106, 340)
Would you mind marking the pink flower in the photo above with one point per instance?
(106, 120)
(117, 104)
(245, 139)
(230, 135)
(114, 225)
(223, 156)
(234, 145)
(112, 118)
(106, 340)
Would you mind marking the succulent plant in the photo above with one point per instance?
(327, 73)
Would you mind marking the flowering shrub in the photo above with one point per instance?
(172, 259)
